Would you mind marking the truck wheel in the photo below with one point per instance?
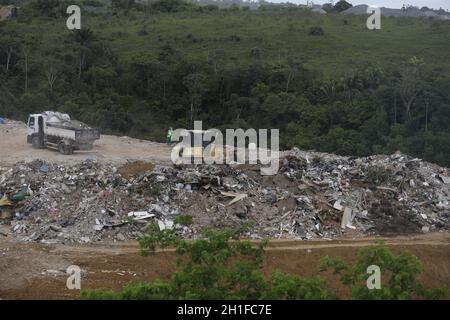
(36, 143)
(69, 150)
(61, 148)
(65, 149)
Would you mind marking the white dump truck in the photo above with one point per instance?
(57, 130)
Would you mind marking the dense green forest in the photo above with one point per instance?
(326, 81)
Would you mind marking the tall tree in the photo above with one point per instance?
(51, 73)
(26, 54)
(410, 85)
(195, 83)
(342, 6)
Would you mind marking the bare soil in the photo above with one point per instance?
(111, 149)
(135, 168)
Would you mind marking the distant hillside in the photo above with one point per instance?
(229, 3)
(408, 12)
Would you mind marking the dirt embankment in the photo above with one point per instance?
(113, 266)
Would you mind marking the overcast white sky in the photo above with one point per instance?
(436, 4)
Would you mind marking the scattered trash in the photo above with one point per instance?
(44, 168)
(313, 196)
(236, 196)
(166, 224)
(20, 196)
(445, 179)
(5, 202)
(140, 215)
(337, 205)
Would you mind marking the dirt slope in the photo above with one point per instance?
(112, 266)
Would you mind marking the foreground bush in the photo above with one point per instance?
(399, 274)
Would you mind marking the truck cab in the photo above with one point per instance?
(35, 130)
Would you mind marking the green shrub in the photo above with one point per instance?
(183, 220)
(316, 31)
(400, 271)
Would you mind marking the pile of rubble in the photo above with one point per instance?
(313, 196)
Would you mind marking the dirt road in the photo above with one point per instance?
(117, 150)
(37, 271)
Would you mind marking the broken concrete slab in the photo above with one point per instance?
(347, 218)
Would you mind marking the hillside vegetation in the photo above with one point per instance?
(326, 81)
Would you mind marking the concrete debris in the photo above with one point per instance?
(120, 237)
(337, 205)
(445, 179)
(166, 224)
(347, 218)
(313, 196)
(140, 215)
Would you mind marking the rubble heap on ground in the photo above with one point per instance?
(314, 196)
